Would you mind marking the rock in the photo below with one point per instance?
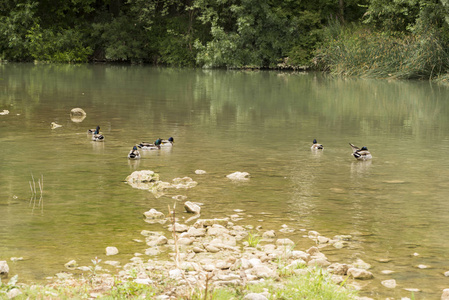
(54, 125)
(209, 222)
(192, 208)
(4, 112)
(313, 234)
(16, 258)
(300, 255)
(322, 240)
(179, 197)
(77, 115)
(318, 262)
(152, 251)
(313, 251)
(214, 231)
(445, 295)
(113, 263)
(185, 241)
(262, 271)
(71, 264)
(422, 267)
(270, 234)
(84, 269)
(179, 227)
(146, 281)
(153, 214)
(284, 242)
(13, 293)
(196, 232)
(175, 273)
(145, 180)
(338, 269)
(183, 183)
(200, 172)
(239, 176)
(212, 249)
(446, 273)
(387, 272)
(255, 296)
(4, 268)
(339, 245)
(111, 251)
(390, 283)
(198, 250)
(160, 240)
(360, 264)
(359, 273)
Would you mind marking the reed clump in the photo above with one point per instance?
(358, 51)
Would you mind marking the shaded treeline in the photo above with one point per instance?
(342, 36)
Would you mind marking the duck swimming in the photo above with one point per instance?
(134, 153)
(97, 137)
(92, 131)
(167, 143)
(360, 153)
(148, 146)
(316, 146)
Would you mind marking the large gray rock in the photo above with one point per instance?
(239, 176)
(192, 208)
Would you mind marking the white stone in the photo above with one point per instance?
(270, 234)
(153, 214)
(200, 172)
(239, 176)
(14, 293)
(4, 268)
(285, 242)
(146, 281)
(192, 208)
(255, 296)
(445, 295)
(175, 273)
(112, 263)
(390, 283)
(71, 264)
(111, 251)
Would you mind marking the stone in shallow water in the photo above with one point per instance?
(390, 283)
(387, 272)
(111, 250)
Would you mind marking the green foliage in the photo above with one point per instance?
(363, 52)
(253, 240)
(57, 46)
(316, 284)
(130, 289)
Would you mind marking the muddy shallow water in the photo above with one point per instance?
(395, 206)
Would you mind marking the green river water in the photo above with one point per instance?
(396, 206)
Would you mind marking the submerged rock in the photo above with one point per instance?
(200, 172)
(390, 283)
(71, 264)
(360, 273)
(77, 115)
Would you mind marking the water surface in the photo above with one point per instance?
(394, 206)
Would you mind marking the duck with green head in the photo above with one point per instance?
(360, 153)
(97, 136)
(134, 153)
(167, 143)
(316, 146)
(148, 146)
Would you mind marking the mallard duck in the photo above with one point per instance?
(169, 142)
(134, 153)
(360, 153)
(149, 146)
(92, 131)
(316, 146)
(97, 137)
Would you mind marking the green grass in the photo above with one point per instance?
(253, 240)
(357, 51)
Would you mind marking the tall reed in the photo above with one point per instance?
(358, 51)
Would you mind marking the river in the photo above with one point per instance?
(394, 206)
